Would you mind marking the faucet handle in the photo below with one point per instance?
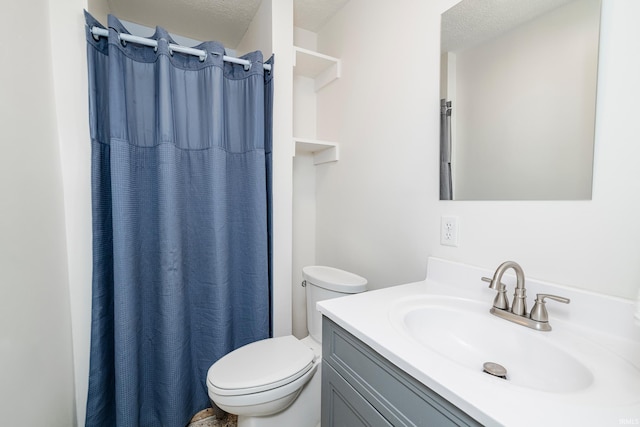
(500, 301)
(496, 287)
(539, 311)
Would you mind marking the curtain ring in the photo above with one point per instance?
(122, 41)
(203, 57)
(94, 35)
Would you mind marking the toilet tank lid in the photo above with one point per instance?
(334, 279)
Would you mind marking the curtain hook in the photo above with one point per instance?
(167, 42)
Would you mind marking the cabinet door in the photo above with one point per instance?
(400, 399)
(342, 406)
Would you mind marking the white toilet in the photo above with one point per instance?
(276, 382)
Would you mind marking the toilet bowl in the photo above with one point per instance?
(276, 381)
(263, 377)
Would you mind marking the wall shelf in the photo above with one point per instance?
(323, 151)
(322, 68)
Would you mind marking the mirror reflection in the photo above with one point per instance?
(518, 96)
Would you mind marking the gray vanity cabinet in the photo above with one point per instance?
(361, 388)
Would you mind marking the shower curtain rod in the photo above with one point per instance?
(103, 32)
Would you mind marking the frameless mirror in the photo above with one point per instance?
(518, 98)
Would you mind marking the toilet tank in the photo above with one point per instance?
(326, 283)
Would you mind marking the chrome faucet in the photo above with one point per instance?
(519, 306)
(517, 313)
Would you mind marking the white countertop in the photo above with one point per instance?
(599, 322)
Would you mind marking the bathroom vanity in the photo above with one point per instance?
(412, 355)
(360, 387)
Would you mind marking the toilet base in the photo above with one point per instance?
(303, 412)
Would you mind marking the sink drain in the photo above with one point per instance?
(495, 369)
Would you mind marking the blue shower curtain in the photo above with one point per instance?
(181, 193)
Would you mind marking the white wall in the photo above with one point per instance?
(68, 48)
(383, 111)
(525, 110)
(304, 185)
(282, 44)
(258, 35)
(378, 208)
(304, 235)
(36, 362)
(271, 31)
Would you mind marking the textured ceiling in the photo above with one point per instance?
(223, 20)
(473, 21)
(227, 20)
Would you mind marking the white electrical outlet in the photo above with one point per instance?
(449, 231)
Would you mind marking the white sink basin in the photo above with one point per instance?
(464, 332)
(586, 371)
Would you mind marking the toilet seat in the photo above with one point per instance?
(260, 366)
